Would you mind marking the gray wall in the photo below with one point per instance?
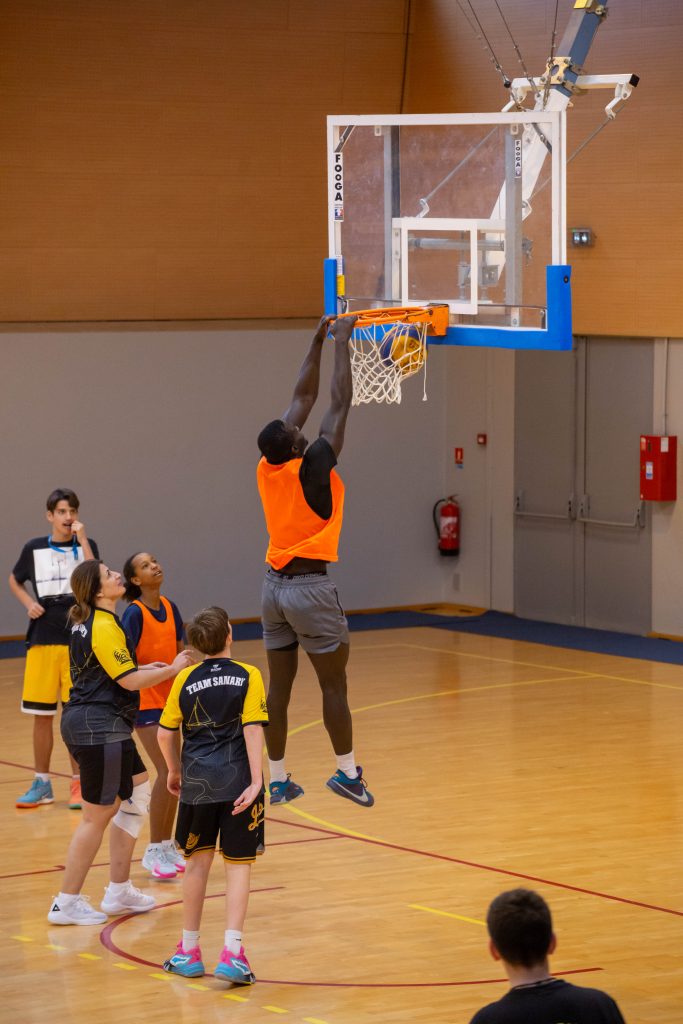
(155, 430)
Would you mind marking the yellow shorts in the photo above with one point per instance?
(47, 679)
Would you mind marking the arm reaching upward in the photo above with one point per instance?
(334, 421)
(306, 387)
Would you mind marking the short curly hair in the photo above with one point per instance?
(275, 442)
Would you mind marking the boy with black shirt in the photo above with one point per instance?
(47, 563)
(521, 937)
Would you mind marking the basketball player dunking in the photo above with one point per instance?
(303, 502)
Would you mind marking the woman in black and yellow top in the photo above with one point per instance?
(97, 729)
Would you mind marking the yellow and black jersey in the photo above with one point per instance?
(99, 710)
(214, 701)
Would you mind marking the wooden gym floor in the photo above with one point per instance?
(494, 764)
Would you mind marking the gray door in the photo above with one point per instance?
(545, 558)
(582, 545)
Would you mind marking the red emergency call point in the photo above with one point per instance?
(458, 456)
(658, 468)
(481, 438)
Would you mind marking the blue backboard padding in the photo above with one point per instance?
(330, 281)
(556, 337)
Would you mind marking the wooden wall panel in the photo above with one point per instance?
(168, 159)
(627, 184)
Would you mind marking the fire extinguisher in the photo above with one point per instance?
(446, 515)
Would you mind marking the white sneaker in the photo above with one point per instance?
(173, 857)
(156, 862)
(129, 901)
(77, 910)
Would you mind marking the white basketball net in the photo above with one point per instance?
(383, 355)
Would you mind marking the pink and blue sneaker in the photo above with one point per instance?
(186, 963)
(235, 967)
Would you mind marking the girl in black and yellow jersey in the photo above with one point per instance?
(96, 726)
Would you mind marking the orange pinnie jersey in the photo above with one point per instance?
(157, 643)
(294, 528)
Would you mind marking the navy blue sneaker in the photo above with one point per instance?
(357, 791)
(284, 792)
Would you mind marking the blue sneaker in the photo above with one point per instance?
(357, 791)
(284, 792)
(187, 964)
(235, 968)
(39, 793)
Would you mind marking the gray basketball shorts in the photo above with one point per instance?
(304, 608)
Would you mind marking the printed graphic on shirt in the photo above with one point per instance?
(53, 568)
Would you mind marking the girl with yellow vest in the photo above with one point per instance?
(154, 627)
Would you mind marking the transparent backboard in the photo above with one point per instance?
(461, 208)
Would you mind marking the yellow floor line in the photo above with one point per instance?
(451, 693)
(445, 913)
(327, 824)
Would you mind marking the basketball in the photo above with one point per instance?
(403, 346)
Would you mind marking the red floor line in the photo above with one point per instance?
(488, 867)
(104, 864)
(297, 842)
(413, 984)
(108, 942)
(30, 768)
(41, 871)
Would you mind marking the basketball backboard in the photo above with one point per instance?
(463, 209)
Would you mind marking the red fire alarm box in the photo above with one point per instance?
(657, 468)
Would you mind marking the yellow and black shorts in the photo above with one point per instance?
(47, 679)
(241, 835)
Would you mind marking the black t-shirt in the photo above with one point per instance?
(318, 462)
(214, 701)
(552, 1002)
(48, 567)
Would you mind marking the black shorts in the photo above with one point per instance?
(107, 770)
(242, 835)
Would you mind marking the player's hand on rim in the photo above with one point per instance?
(342, 328)
(322, 329)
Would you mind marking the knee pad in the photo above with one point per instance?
(131, 815)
